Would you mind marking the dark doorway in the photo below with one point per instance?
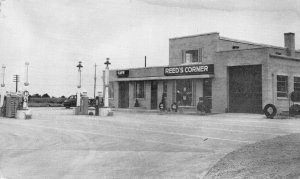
(245, 89)
(207, 92)
(153, 94)
(123, 94)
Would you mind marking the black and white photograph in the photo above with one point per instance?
(134, 89)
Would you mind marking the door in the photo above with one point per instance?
(153, 94)
(245, 89)
(123, 94)
(207, 92)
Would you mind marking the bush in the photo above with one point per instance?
(47, 100)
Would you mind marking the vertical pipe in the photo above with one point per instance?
(79, 86)
(145, 61)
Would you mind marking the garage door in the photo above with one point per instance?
(245, 89)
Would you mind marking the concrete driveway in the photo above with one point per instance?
(58, 144)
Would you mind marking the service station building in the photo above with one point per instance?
(234, 75)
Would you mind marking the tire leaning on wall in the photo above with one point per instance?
(268, 108)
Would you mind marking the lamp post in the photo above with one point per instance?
(107, 63)
(26, 74)
(79, 66)
(26, 84)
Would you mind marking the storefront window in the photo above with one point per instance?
(165, 89)
(111, 90)
(139, 89)
(282, 86)
(184, 92)
(296, 83)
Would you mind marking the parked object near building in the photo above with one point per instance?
(84, 104)
(233, 75)
(295, 107)
(11, 105)
(70, 101)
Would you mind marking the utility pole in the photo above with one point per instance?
(95, 79)
(16, 79)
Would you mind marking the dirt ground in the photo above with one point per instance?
(58, 144)
(273, 158)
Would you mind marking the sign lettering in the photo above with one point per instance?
(123, 73)
(189, 70)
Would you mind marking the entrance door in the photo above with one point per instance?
(123, 94)
(245, 89)
(207, 91)
(153, 94)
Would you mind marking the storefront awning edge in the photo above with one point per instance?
(164, 78)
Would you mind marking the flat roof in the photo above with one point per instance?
(232, 40)
(196, 35)
(285, 57)
(250, 43)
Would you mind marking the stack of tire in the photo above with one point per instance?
(295, 108)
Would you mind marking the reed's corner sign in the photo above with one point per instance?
(189, 70)
(122, 73)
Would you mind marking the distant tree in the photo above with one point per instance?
(36, 95)
(45, 95)
(62, 96)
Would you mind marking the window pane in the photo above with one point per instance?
(184, 92)
(297, 85)
(139, 93)
(191, 56)
(281, 94)
(282, 86)
(297, 79)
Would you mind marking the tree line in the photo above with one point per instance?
(46, 95)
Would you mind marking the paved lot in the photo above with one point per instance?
(58, 144)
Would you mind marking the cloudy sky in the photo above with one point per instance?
(54, 35)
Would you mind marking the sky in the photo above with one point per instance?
(53, 36)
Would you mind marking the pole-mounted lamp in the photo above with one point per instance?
(26, 75)
(107, 63)
(79, 66)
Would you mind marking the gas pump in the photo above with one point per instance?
(82, 104)
(2, 103)
(99, 102)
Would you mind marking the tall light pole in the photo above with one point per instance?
(79, 66)
(26, 74)
(95, 79)
(26, 84)
(107, 63)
